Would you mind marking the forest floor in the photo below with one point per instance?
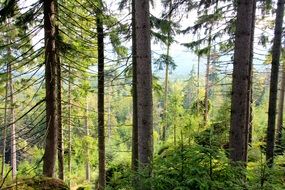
(38, 183)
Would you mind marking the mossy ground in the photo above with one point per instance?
(38, 183)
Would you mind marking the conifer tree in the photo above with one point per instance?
(49, 159)
(101, 111)
(143, 86)
(239, 107)
(276, 51)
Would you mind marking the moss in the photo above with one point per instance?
(38, 183)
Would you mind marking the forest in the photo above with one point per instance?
(142, 94)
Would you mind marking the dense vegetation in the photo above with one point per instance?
(89, 103)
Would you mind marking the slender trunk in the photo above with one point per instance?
(144, 87)
(206, 98)
(59, 120)
(87, 164)
(239, 125)
(109, 113)
(207, 85)
(250, 100)
(198, 77)
(60, 146)
(164, 127)
(280, 111)
(69, 125)
(4, 134)
(250, 123)
(198, 86)
(12, 121)
(174, 135)
(101, 128)
(276, 50)
(134, 83)
(167, 73)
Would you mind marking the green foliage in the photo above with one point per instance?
(165, 60)
(8, 9)
(198, 106)
(186, 167)
(117, 176)
(156, 86)
(31, 166)
(194, 156)
(161, 28)
(189, 167)
(215, 136)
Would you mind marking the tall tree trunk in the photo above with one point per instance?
(49, 159)
(9, 119)
(101, 128)
(276, 51)
(144, 85)
(250, 100)
(174, 134)
(165, 116)
(60, 138)
(207, 80)
(167, 74)
(12, 122)
(280, 110)
(4, 134)
(109, 124)
(69, 124)
(59, 120)
(198, 79)
(60, 147)
(239, 125)
(87, 164)
(206, 97)
(135, 153)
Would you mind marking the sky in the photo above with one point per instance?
(183, 58)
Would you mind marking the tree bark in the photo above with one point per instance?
(4, 134)
(174, 135)
(206, 98)
(9, 119)
(59, 117)
(276, 51)
(60, 147)
(60, 144)
(144, 86)
(60, 130)
(165, 125)
(198, 80)
(239, 125)
(280, 111)
(250, 90)
(134, 92)
(101, 128)
(109, 124)
(49, 159)
(12, 122)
